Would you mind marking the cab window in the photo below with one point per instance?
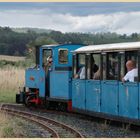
(63, 56)
(46, 54)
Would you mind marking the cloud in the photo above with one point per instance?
(119, 22)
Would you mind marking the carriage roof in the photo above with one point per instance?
(109, 47)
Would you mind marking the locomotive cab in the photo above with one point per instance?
(49, 82)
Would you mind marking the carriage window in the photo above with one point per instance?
(46, 54)
(81, 60)
(95, 66)
(80, 66)
(112, 66)
(63, 56)
(131, 55)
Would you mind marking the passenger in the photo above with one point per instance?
(132, 71)
(97, 75)
(81, 73)
(95, 68)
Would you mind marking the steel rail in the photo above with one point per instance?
(42, 120)
(53, 133)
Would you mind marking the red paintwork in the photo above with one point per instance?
(70, 106)
(32, 78)
(37, 101)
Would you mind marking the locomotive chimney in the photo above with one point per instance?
(37, 54)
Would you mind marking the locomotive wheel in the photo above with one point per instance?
(47, 104)
(62, 107)
(28, 99)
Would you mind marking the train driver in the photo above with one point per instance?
(132, 71)
(48, 63)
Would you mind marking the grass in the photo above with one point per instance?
(13, 127)
(8, 126)
(11, 79)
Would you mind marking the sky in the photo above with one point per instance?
(119, 17)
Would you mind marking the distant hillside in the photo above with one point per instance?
(18, 41)
(13, 43)
(26, 30)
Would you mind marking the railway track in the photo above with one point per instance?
(88, 126)
(55, 128)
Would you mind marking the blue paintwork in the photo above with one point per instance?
(109, 97)
(116, 98)
(128, 99)
(60, 81)
(39, 80)
(93, 93)
(59, 85)
(78, 94)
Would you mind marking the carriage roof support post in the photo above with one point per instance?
(37, 47)
(74, 63)
(138, 65)
(88, 66)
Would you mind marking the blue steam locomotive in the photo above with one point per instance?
(99, 92)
